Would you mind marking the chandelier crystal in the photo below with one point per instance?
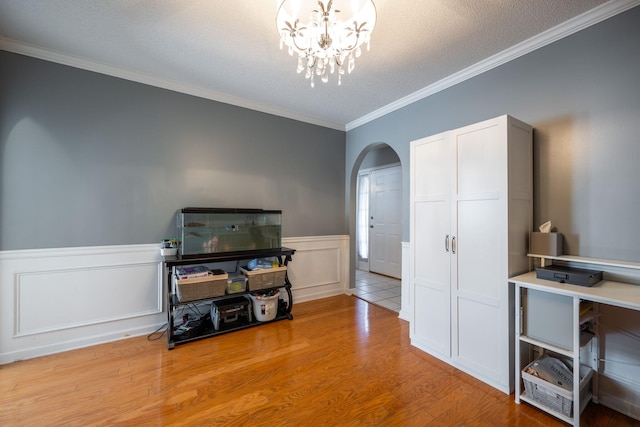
(325, 35)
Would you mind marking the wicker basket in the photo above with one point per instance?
(264, 279)
(554, 397)
(201, 287)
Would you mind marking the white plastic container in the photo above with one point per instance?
(265, 308)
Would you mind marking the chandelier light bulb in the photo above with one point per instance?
(325, 33)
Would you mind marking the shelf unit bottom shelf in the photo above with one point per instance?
(563, 417)
(208, 330)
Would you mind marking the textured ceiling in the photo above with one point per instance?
(228, 50)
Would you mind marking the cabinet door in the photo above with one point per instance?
(478, 271)
(430, 236)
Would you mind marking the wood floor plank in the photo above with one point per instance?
(340, 362)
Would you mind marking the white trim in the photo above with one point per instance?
(290, 242)
(79, 251)
(405, 306)
(60, 277)
(580, 22)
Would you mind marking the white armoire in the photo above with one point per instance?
(471, 212)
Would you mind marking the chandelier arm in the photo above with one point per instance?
(301, 49)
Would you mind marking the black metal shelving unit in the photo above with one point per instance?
(206, 330)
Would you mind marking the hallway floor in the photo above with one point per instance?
(377, 289)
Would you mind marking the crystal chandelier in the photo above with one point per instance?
(326, 35)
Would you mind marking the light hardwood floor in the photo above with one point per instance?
(340, 362)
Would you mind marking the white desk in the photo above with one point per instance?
(605, 292)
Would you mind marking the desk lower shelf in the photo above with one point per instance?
(583, 404)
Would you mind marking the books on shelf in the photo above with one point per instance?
(192, 272)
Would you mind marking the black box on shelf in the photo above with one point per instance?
(571, 275)
(230, 310)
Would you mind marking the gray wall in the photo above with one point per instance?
(89, 159)
(582, 95)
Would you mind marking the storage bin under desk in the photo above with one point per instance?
(554, 397)
(547, 317)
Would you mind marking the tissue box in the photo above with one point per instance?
(545, 243)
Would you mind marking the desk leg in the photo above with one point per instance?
(517, 349)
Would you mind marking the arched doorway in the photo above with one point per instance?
(378, 226)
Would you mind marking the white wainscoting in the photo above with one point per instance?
(54, 300)
(320, 267)
(405, 302)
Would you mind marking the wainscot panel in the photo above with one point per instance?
(320, 267)
(54, 300)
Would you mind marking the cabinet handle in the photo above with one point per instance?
(453, 245)
(446, 243)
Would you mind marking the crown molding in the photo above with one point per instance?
(567, 28)
(21, 48)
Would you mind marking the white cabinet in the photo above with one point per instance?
(471, 206)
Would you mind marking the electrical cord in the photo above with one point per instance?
(194, 309)
(162, 330)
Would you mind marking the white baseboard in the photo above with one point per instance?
(620, 394)
(54, 300)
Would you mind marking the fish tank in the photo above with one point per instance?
(218, 230)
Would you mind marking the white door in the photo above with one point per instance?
(431, 242)
(385, 255)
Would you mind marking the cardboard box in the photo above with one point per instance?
(545, 243)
